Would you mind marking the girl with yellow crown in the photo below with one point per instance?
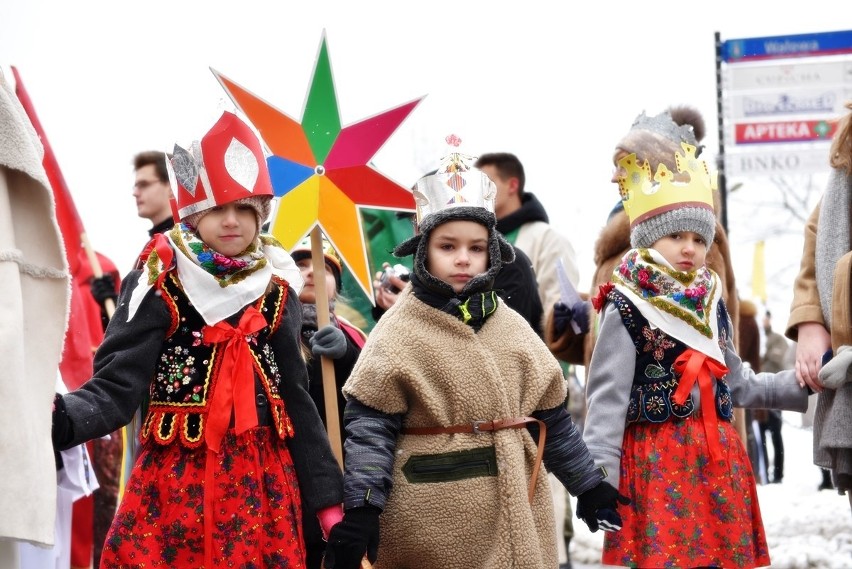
(207, 335)
(663, 381)
(439, 405)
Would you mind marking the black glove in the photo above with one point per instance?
(61, 431)
(598, 507)
(103, 288)
(351, 538)
(329, 341)
(563, 314)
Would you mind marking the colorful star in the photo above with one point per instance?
(320, 171)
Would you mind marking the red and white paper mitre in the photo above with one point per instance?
(226, 165)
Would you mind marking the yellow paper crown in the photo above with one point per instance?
(643, 197)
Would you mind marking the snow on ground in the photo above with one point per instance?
(805, 528)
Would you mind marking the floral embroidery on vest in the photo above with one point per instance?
(187, 367)
(654, 379)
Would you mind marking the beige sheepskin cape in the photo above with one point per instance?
(437, 371)
(34, 286)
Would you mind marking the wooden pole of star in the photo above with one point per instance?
(329, 385)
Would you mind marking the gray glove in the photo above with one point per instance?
(330, 342)
(837, 371)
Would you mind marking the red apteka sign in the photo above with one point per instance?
(784, 131)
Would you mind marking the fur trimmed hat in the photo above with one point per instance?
(499, 250)
(456, 191)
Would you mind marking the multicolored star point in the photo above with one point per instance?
(321, 171)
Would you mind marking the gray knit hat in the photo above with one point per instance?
(700, 220)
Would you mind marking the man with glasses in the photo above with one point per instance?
(152, 191)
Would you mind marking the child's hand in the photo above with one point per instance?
(837, 372)
(329, 341)
(598, 507)
(350, 539)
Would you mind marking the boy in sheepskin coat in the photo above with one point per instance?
(452, 404)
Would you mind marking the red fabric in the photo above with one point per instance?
(234, 388)
(599, 300)
(693, 366)
(353, 332)
(255, 518)
(161, 245)
(686, 510)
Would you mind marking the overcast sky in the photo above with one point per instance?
(556, 88)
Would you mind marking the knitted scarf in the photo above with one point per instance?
(832, 236)
(833, 416)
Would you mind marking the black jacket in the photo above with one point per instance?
(531, 210)
(517, 285)
(342, 368)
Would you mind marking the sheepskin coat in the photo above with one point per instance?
(35, 292)
(434, 371)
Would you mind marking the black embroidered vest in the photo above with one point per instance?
(654, 379)
(187, 369)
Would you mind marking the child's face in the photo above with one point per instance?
(458, 251)
(685, 250)
(229, 229)
(618, 171)
(309, 293)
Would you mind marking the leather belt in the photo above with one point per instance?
(479, 427)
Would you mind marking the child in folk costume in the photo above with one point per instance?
(437, 453)
(208, 331)
(663, 380)
(340, 340)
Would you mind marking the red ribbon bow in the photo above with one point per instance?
(235, 383)
(234, 390)
(693, 366)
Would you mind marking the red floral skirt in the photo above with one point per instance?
(686, 510)
(256, 512)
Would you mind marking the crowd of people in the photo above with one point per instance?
(451, 444)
